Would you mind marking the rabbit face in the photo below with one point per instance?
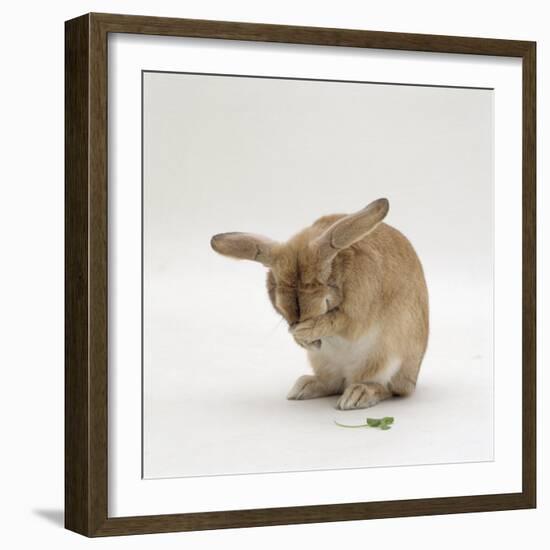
(298, 299)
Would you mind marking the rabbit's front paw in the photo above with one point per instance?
(358, 396)
(307, 387)
(305, 334)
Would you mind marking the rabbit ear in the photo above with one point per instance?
(244, 246)
(351, 229)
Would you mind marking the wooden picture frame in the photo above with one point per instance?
(86, 283)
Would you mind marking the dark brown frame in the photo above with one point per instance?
(86, 274)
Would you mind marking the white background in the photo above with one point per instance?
(31, 241)
(270, 156)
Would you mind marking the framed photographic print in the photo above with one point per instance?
(300, 274)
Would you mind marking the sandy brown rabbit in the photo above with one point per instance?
(353, 292)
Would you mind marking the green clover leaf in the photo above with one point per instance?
(381, 423)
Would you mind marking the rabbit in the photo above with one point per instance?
(353, 292)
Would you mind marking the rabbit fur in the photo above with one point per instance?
(353, 293)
